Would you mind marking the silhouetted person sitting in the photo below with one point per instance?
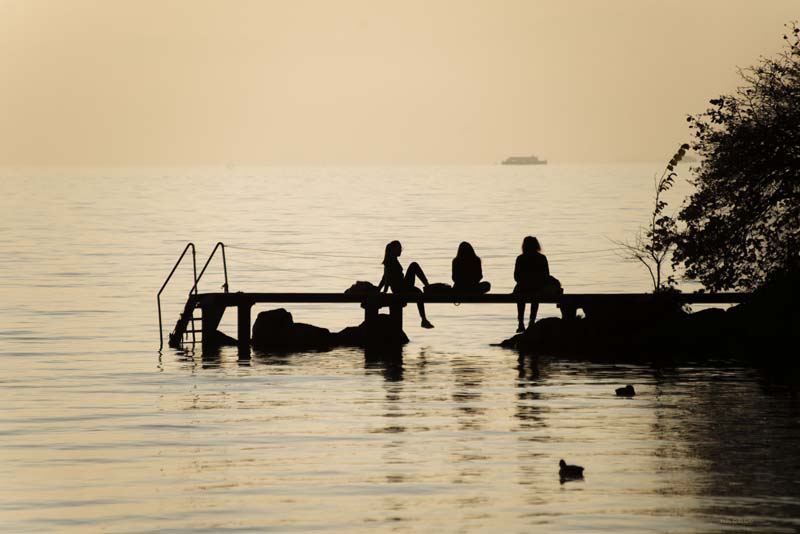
(531, 273)
(467, 271)
(393, 277)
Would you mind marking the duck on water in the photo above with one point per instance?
(569, 472)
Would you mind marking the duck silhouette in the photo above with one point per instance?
(567, 472)
(627, 391)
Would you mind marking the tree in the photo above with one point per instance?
(743, 221)
(655, 242)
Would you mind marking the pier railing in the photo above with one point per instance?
(219, 246)
(188, 314)
(169, 277)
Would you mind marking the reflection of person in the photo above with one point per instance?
(393, 277)
(467, 271)
(531, 273)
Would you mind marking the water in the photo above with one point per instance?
(100, 432)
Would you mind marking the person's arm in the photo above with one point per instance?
(480, 270)
(517, 270)
(546, 266)
(382, 282)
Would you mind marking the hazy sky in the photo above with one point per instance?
(366, 81)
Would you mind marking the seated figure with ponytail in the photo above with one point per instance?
(394, 279)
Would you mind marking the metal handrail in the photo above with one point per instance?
(221, 245)
(194, 287)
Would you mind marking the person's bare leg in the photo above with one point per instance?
(411, 289)
(415, 271)
(425, 322)
(521, 316)
(534, 311)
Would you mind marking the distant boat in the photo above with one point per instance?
(524, 160)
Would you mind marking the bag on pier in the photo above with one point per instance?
(361, 288)
(552, 282)
(552, 287)
(438, 288)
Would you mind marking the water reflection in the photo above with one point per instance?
(278, 359)
(684, 436)
(529, 409)
(737, 441)
(467, 392)
(211, 357)
(387, 360)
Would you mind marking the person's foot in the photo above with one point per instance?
(426, 324)
(520, 329)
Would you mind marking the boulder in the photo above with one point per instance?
(275, 330)
(272, 325)
(644, 309)
(705, 331)
(222, 339)
(624, 334)
(552, 335)
(770, 318)
(217, 339)
(309, 337)
(655, 325)
(379, 332)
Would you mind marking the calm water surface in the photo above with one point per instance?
(100, 432)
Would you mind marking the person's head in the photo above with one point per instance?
(530, 245)
(393, 251)
(465, 250)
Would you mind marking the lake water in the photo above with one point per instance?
(100, 432)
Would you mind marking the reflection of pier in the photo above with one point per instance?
(213, 305)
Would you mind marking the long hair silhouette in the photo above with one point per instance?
(465, 251)
(530, 245)
(393, 250)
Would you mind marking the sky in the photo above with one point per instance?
(377, 82)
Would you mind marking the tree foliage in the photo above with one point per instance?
(742, 222)
(655, 242)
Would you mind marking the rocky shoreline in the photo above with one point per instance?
(766, 327)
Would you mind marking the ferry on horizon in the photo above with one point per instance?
(524, 160)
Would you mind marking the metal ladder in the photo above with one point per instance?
(186, 328)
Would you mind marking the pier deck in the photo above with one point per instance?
(213, 305)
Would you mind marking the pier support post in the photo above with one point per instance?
(396, 315)
(212, 315)
(243, 320)
(569, 309)
(371, 307)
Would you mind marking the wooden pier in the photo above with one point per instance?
(213, 305)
